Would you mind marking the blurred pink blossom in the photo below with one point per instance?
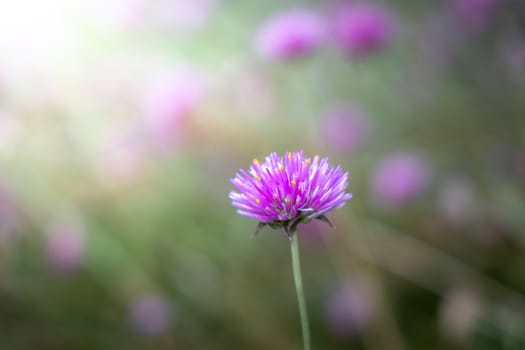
(399, 178)
(168, 101)
(345, 128)
(362, 29)
(476, 14)
(150, 314)
(351, 308)
(64, 246)
(289, 35)
(438, 41)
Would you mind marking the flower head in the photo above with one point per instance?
(151, 314)
(65, 246)
(475, 14)
(363, 29)
(351, 308)
(285, 191)
(399, 178)
(345, 127)
(169, 101)
(291, 34)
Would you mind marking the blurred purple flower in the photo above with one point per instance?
(345, 128)
(476, 14)
(64, 245)
(150, 314)
(286, 190)
(350, 309)
(438, 42)
(168, 102)
(399, 178)
(289, 35)
(364, 29)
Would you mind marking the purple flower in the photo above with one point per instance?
(476, 14)
(292, 34)
(399, 178)
(350, 309)
(64, 246)
(150, 314)
(363, 29)
(284, 191)
(169, 101)
(345, 128)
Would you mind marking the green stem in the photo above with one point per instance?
(296, 265)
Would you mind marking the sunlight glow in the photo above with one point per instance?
(37, 35)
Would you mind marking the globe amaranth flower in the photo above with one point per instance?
(151, 314)
(364, 29)
(65, 246)
(289, 35)
(351, 308)
(475, 14)
(285, 191)
(169, 100)
(399, 178)
(345, 127)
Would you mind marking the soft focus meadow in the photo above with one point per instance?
(122, 123)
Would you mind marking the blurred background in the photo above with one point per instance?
(122, 123)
